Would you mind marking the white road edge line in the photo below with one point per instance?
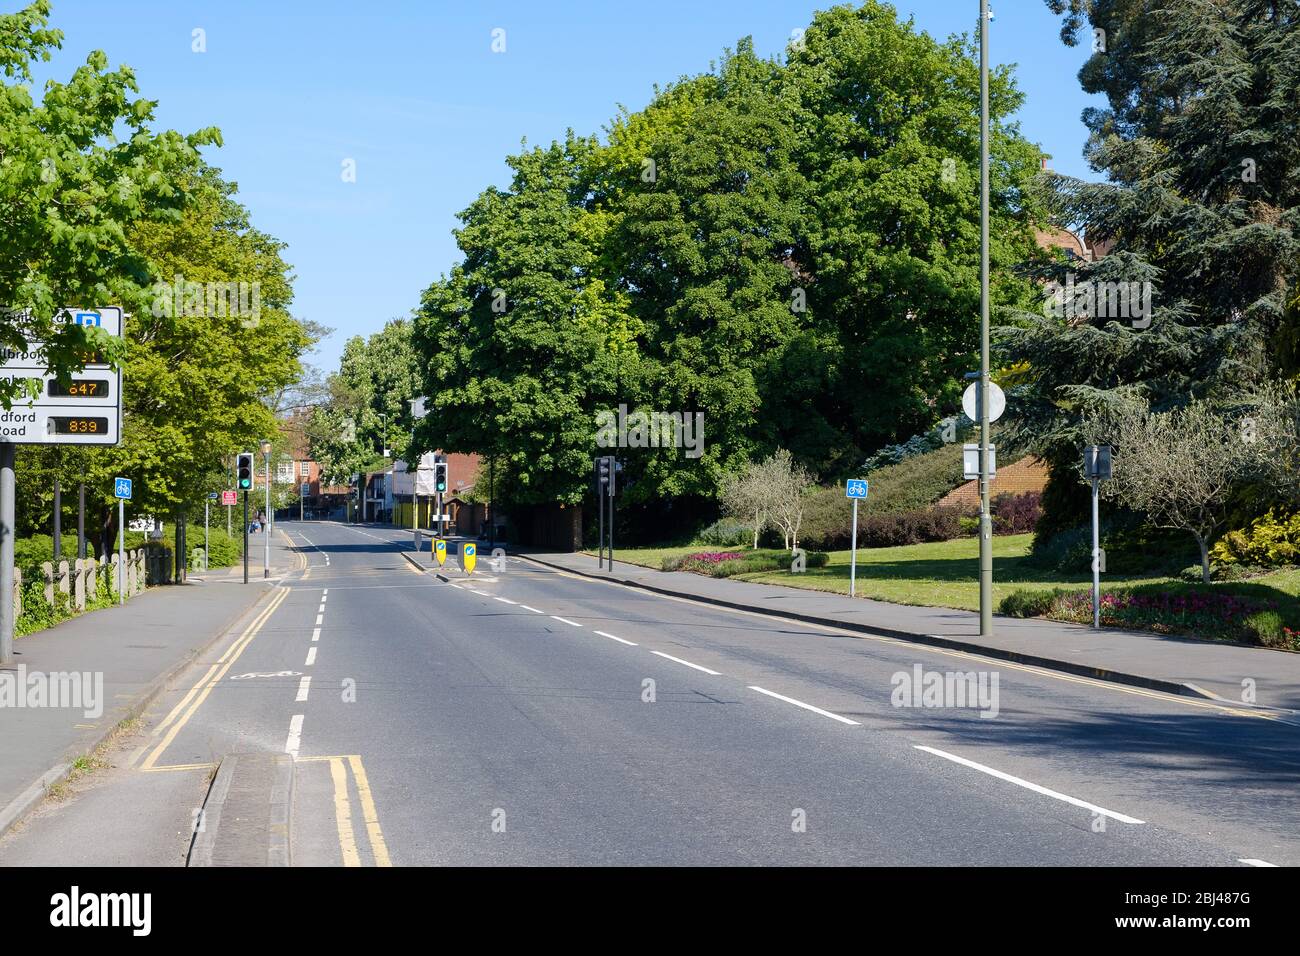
(294, 740)
(315, 633)
(304, 688)
(799, 703)
(564, 620)
(1250, 861)
(1121, 817)
(505, 600)
(678, 660)
(311, 657)
(613, 638)
(527, 608)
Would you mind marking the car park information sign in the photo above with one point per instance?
(86, 410)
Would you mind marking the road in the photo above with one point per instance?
(530, 716)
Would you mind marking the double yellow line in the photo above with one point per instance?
(343, 810)
(190, 703)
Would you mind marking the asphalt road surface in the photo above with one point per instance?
(530, 716)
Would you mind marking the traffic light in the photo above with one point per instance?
(244, 471)
(602, 475)
(440, 477)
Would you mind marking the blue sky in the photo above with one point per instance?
(413, 94)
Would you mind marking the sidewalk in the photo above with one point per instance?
(138, 648)
(1140, 658)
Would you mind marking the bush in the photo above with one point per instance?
(726, 564)
(1265, 628)
(223, 550)
(827, 520)
(1270, 541)
(1027, 603)
(908, 527)
(726, 533)
(968, 526)
(32, 551)
(1016, 514)
(916, 482)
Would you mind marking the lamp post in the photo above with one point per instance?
(986, 521)
(266, 529)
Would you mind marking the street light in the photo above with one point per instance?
(986, 521)
(266, 531)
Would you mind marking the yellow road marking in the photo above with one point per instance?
(374, 833)
(179, 766)
(368, 812)
(343, 813)
(199, 692)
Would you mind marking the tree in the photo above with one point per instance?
(1178, 467)
(785, 484)
(744, 497)
(77, 170)
(1198, 144)
(738, 248)
(372, 391)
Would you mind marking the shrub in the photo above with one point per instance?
(223, 550)
(726, 564)
(1265, 628)
(827, 520)
(1270, 541)
(1016, 514)
(968, 525)
(1027, 603)
(908, 527)
(916, 482)
(726, 533)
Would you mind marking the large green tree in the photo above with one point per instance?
(1198, 145)
(78, 167)
(790, 248)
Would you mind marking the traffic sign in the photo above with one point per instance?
(855, 488)
(468, 557)
(122, 488)
(970, 402)
(214, 495)
(970, 461)
(440, 551)
(86, 409)
(229, 497)
(306, 488)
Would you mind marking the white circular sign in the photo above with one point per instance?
(970, 402)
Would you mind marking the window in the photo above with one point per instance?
(305, 469)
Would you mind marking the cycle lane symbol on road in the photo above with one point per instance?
(272, 674)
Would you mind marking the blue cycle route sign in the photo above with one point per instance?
(122, 488)
(855, 488)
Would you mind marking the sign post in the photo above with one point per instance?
(1097, 468)
(6, 553)
(855, 489)
(85, 410)
(121, 491)
(206, 505)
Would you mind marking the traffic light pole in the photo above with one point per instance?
(245, 537)
(986, 521)
(6, 552)
(600, 551)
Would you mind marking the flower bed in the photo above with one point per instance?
(725, 564)
(1218, 615)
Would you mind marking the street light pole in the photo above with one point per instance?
(266, 529)
(986, 521)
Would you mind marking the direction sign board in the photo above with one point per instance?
(970, 402)
(468, 557)
(229, 497)
(122, 488)
(440, 551)
(855, 488)
(86, 410)
(306, 488)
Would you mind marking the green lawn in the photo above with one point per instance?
(943, 574)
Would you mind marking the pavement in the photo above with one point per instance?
(1141, 658)
(529, 715)
(133, 649)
